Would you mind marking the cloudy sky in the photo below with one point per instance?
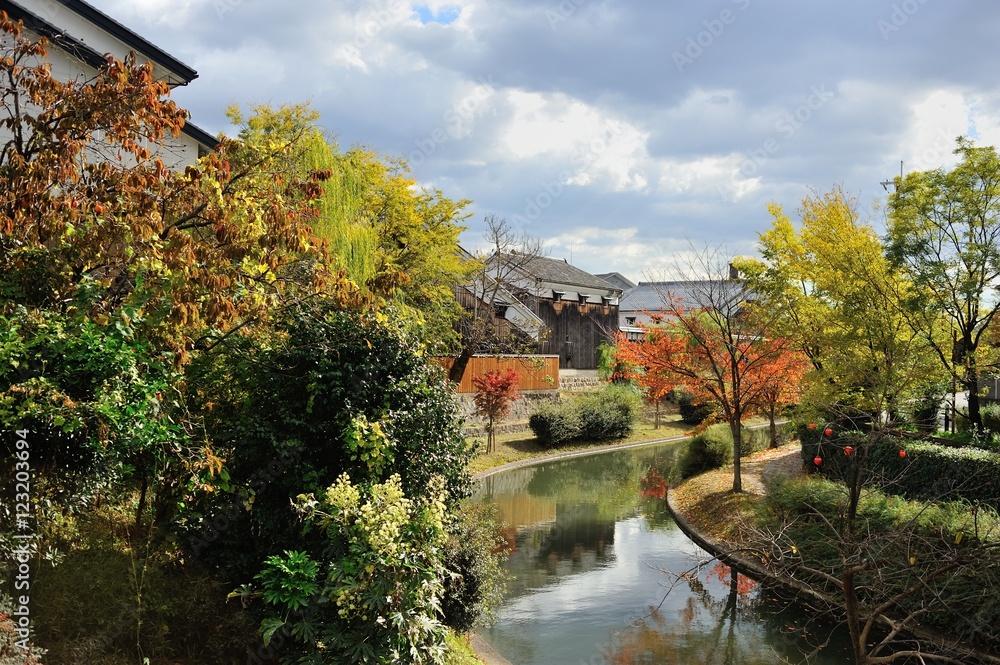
(619, 132)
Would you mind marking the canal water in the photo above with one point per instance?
(601, 574)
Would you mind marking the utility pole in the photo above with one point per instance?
(885, 183)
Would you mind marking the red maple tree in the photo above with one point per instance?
(496, 392)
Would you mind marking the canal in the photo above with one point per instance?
(600, 573)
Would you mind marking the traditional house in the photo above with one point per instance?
(579, 310)
(80, 35)
(640, 304)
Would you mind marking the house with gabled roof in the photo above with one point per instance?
(646, 300)
(579, 310)
(80, 35)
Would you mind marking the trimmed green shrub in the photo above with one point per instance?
(712, 449)
(755, 440)
(554, 424)
(694, 413)
(609, 414)
(926, 471)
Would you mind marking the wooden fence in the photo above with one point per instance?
(537, 372)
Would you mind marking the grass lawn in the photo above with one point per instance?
(517, 446)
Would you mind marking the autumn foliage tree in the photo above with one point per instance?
(496, 392)
(717, 346)
(115, 267)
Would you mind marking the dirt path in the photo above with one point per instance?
(708, 503)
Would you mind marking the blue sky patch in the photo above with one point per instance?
(445, 16)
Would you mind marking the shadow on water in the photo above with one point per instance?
(594, 554)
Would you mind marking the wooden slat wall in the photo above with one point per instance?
(533, 370)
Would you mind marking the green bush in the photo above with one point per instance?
(990, 414)
(336, 392)
(712, 449)
(609, 414)
(554, 424)
(928, 471)
(475, 587)
(755, 440)
(694, 413)
(373, 594)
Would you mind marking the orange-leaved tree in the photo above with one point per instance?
(781, 384)
(715, 343)
(94, 220)
(495, 394)
(637, 360)
(115, 266)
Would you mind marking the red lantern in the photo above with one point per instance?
(817, 460)
(812, 425)
(828, 431)
(848, 450)
(902, 454)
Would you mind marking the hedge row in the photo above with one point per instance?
(926, 471)
(609, 414)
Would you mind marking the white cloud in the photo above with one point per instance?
(935, 121)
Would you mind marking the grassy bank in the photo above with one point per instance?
(520, 446)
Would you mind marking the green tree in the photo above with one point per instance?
(395, 240)
(944, 231)
(831, 290)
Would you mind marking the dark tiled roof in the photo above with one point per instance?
(651, 295)
(561, 272)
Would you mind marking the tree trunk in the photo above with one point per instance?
(457, 370)
(975, 414)
(773, 427)
(852, 608)
(736, 428)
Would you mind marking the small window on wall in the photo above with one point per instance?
(583, 297)
(630, 320)
(558, 295)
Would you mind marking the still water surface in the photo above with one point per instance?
(591, 540)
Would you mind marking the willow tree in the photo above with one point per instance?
(396, 240)
(944, 231)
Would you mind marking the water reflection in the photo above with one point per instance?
(591, 540)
